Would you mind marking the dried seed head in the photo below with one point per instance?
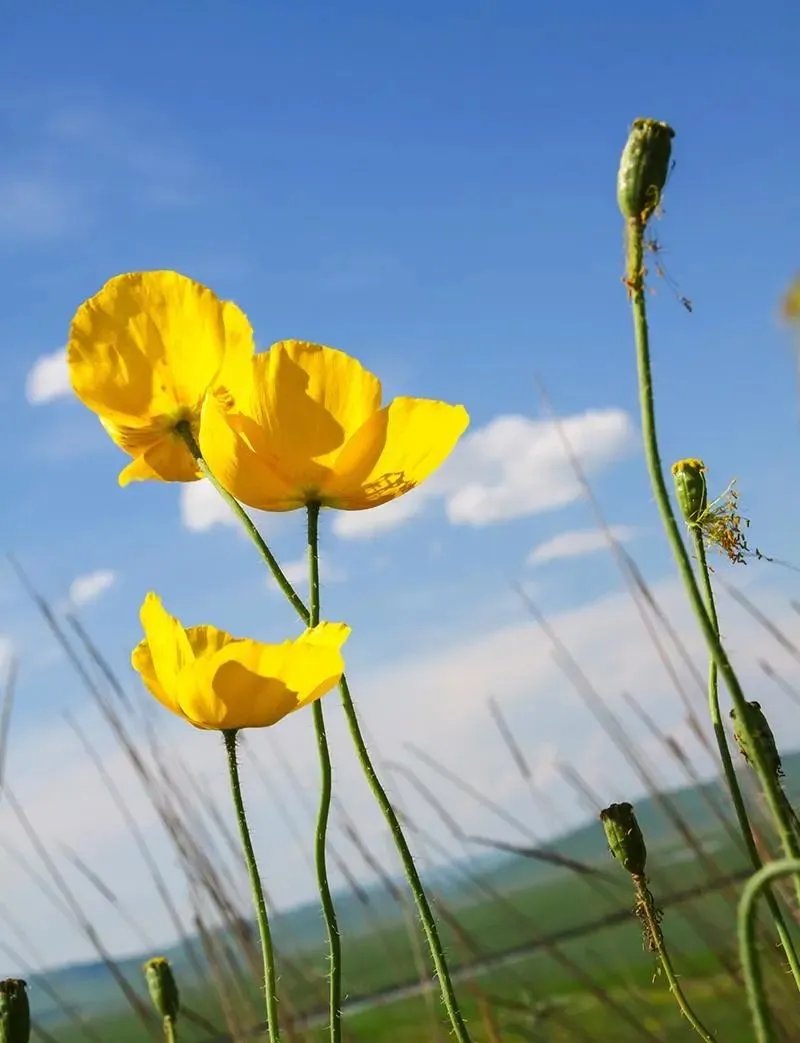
(762, 734)
(624, 837)
(690, 488)
(162, 987)
(15, 1015)
(643, 168)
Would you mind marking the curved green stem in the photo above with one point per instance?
(655, 937)
(753, 978)
(170, 1031)
(728, 768)
(268, 557)
(320, 850)
(270, 987)
(412, 876)
(635, 282)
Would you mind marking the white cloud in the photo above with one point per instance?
(358, 525)
(516, 466)
(202, 507)
(577, 543)
(297, 572)
(48, 378)
(91, 586)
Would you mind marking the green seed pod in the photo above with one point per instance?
(15, 1014)
(762, 734)
(162, 987)
(690, 488)
(624, 837)
(643, 168)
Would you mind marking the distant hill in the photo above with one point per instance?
(696, 808)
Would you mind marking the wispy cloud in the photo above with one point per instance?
(516, 466)
(202, 508)
(35, 206)
(48, 378)
(90, 586)
(297, 572)
(358, 525)
(577, 543)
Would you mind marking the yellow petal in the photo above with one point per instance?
(251, 685)
(142, 663)
(149, 344)
(395, 450)
(168, 461)
(169, 651)
(246, 466)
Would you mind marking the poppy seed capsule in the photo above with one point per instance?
(762, 734)
(624, 837)
(15, 1015)
(643, 168)
(690, 488)
(162, 987)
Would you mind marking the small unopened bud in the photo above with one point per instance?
(15, 1014)
(624, 837)
(162, 987)
(643, 168)
(690, 488)
(761, 733)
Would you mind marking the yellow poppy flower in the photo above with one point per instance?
(217, 681)
(308, 427)
(142, 354)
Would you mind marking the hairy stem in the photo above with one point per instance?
(753, 978)
(270, 987)
(728, 768)
(636, 286)
(320, 851)
(646, 910)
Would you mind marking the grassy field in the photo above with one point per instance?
(539, 952)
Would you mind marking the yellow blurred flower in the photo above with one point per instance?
(307, 426)
(217, 681)
(142, 354)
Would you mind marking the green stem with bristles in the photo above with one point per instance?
(753, 978)
(636, 286)
(727, 763)
(270, 982)
(320, 849)
(655, 937)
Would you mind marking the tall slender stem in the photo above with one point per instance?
(753, 978)
(270, 986)
(727, 763)
(320, 852)
(170, 1031)
(429, 926)
(412, 876)
(655, 936)
(636, 286)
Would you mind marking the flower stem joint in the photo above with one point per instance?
(15, 1015)
(691, 491)
(162, 987)
(625, 837)
(762, 734)
(643, 169)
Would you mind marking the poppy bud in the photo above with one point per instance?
(762, 734)
(162, 987)
(15, 1014)
(624, 837)
(690, 488)
(643, 168)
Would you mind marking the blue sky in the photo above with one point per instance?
(430, 187)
